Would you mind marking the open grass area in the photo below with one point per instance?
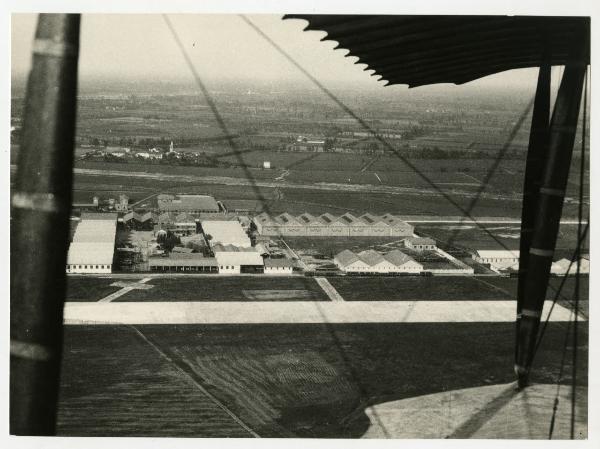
(83, 288)
(261, 288)
(280, 380)
(417, 288)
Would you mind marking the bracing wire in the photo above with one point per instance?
(213, 107)
(578, 274)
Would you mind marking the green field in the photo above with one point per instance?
(85, 288)
(279, 380)
(228, 289)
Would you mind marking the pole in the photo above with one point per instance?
(40, 209)
(550, 203)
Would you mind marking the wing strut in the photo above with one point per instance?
(40, 210)
(548, 205)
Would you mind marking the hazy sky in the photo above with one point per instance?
(221, 46)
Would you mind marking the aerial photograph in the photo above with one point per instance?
(318, 226)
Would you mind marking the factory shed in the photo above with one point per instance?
(183, 262)
(236, 260)
(563, 267)
(278, 266)
(373, 262)
(403, 262)
(346, 225)
(348, 261)
(498, 260)
(93, 246)
(420, 243)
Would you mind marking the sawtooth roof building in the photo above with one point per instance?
(371, 261)
(346, 225)
(93, 246)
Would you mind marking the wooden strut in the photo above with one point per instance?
(40, 209)
(549, 205)
(536, 153)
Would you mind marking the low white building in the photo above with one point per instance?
(420, 243)
(235, 260)
(498, 260)
(561, 267)
(278, 266)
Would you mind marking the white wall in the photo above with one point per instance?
(274, 271)
(229, 269)
(90, 268)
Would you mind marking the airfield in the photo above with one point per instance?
(287, 357)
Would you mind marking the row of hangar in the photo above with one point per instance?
(330, 225)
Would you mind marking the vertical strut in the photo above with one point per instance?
(549, 204)
(538, 147)
(40, 208)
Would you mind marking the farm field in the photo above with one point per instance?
(278, 380)
(259, 288)
(505, 236)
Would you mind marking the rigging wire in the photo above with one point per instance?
(559, 290)
(578, 275)
(213, 107)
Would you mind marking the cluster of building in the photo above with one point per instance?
(92, 247)
(346, 225)
(232, 251)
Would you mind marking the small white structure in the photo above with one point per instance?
(267, 164)
(498, 260)
(278, 266)
(561, 267)
(235, 260)
(226, 233)
(420, 243)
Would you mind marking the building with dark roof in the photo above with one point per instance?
(420, 243)
(184, 262)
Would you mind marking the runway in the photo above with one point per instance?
(297, 312)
